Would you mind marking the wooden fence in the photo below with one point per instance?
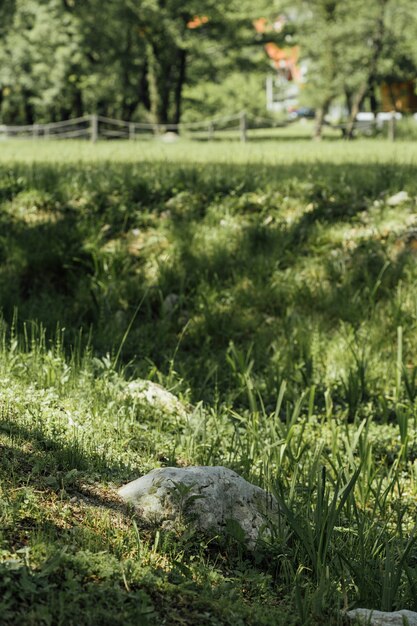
(95, 127)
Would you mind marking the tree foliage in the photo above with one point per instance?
(124, 58)
(353, 46)
(149, 59)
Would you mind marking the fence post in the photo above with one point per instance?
(211, 131)
(131, 130)
(35, 131)
(243, 127)
(94, 127)
(391, 126)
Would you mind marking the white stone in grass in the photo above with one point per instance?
(170, 137)
(214, 500)
(169, 304)
(398, 198)
(156, 396)
(368, 617)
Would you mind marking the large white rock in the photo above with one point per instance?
(213, 499)
(369, 617)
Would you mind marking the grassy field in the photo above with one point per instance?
(272, 287)
(293, 147)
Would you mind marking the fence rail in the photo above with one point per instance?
(94, 127)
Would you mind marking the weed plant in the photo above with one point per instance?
(276, 299)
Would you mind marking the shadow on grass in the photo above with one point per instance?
(73, 565)
(76, 269)
(254, 137)
(52, 459)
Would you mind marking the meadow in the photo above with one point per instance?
(271, 287)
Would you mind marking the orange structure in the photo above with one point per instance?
(285, 60)
(399, 97)
(197, 21)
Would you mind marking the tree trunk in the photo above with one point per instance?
(166, 77)
(153, 83)
(373, 100)
(356, 107)
(165, 86)
(159, 82)
(78, 106)
(28, 108)
(144, 88)
(319, 119)
(377, 45)
(126, 76)
(348, 96)
(182, 54)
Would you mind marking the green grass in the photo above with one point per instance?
(271, 285)
(276, 146)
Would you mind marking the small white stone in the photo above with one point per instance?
(370, 617)
(169, 137)
(398, 198)
(169, 304)
(156, 396)
(211, 498)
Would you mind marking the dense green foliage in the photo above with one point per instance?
(278, 297)
(361, 46)
(148, 60)
(129, 59)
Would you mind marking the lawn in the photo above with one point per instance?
(271, 287)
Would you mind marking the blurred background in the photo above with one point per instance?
(170, 62)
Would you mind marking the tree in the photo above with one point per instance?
(177, 34)
(371, 33)
(322, 36)
(122, 58)
(33, 88)
(114, 80)
(226, 73)
(350, 47)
